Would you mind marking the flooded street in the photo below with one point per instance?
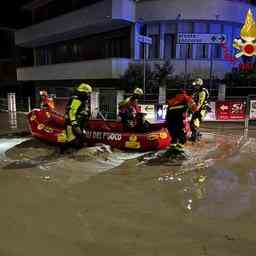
(100, 201)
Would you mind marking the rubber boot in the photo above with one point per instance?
(193, 136)
(174, 151)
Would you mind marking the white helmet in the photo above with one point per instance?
(138, 91)
(198, 82)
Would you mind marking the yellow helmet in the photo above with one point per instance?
(84, 88)
(198, 82)
(138, 91)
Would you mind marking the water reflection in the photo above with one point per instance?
(8, 143)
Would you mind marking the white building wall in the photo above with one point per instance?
(233, 11)
(90, 19)
(94, 69)
(123, 9)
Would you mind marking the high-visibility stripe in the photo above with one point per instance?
(177, 107)
(75, 104)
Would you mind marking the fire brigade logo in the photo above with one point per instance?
(246, 45)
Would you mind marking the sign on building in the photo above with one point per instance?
(230, 110)
(150, 110)
(191, 38)
(161, 112)
(144, 39)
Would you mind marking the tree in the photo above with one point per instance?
(241, 77)
(162, 73)
(155, 77)
(134, 75)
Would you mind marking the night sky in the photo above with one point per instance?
(11, 14)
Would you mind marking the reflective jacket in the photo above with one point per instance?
(200, 97)
(77, 112)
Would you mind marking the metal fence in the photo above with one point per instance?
(108, 104)
(23, 104)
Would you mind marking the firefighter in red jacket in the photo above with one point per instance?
(177, 113)
(129, 109)
(46, 102)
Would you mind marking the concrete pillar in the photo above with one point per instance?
(135, 45)
(95, 104)
(222, 92)
(162, 95)
(12, 119)
(119, 98)
(162, 31)
(11, 102)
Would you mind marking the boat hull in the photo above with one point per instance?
(50, 127)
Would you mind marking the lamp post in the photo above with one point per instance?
(144, 40)
(144, 71)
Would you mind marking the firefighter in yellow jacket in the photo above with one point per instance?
(200, 97)
(77, 114)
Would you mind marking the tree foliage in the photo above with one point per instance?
(162, 72)
(241, 77)
(155, 77)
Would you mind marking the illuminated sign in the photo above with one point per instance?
(149, 110)
(189, 38)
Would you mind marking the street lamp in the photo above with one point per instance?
(145, 40)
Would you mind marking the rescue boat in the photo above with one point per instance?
(49, 126)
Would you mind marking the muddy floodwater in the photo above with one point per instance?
(100, 201)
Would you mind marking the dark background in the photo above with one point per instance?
(12, 16)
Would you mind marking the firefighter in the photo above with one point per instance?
(129, 109)
(177, 114)
(200, 97)
(46, 102)
(77, 114)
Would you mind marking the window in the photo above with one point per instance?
(25, 57)
(169, 46)
(217, 51)
(106, 45)
(154, 47)
(202, 51)
(186, 51)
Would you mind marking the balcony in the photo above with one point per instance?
(94, 69)
(97, 18)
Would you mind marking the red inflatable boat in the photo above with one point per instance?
(49, 126)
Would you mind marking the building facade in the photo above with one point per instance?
(96, 40)
(8, 75)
